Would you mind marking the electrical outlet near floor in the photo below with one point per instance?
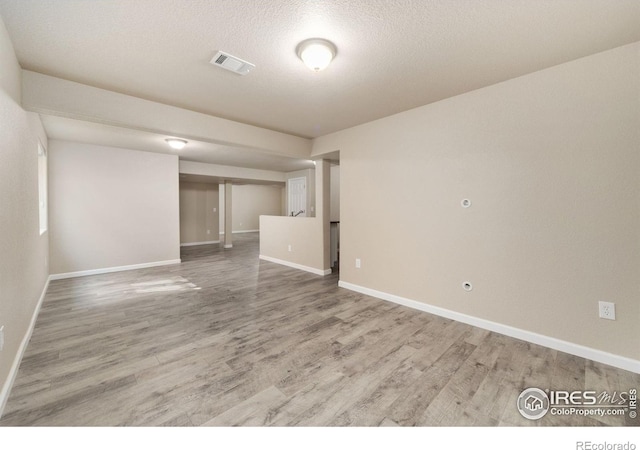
(1, 337)
(358, 263)
(607, 310)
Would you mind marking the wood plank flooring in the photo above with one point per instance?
(225, 339)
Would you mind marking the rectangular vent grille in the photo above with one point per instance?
(232, 63)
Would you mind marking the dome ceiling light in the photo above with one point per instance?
(177, 144)
(316, 53)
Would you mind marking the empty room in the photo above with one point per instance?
(318, 213)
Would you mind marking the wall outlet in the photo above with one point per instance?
(289, 247)
(358, 263)
(607, 310)
(208, 231)
(215, 209)
(1, 337)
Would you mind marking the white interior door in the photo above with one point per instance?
(297, 193)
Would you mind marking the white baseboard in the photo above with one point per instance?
(84, 273)
(6, 388)
(296, 266)
(191, 244)
(621, 362)
(241, 231)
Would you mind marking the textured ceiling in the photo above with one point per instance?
(392, 54)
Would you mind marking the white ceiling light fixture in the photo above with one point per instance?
(316, 53)
(177, 144)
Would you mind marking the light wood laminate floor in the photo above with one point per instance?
(225, 339)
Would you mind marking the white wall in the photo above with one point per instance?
(199, 212)
(250, 201)
(550, 161)
(111, 207)
(23, 251)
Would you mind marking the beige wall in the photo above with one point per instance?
(302, 234)
(550, 162)
(250, 201)
(111, 207)
(23, 251)
(301, 242)
(48, 94)
(199, 212)
(10, 73)
(334, 192)
(231, 172)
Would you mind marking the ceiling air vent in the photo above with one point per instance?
(229, 62)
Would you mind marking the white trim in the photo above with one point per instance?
(83, 273)
(6, 388)
(228, 245)
(621, 362)
(190, 244)
(241, 231)
(296, 266)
